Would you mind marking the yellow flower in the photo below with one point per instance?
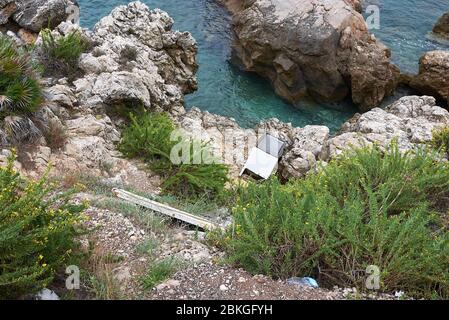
(41, 257)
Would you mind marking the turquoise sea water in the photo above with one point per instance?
(404, 27)
(224, 89)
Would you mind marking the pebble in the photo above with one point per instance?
(179, 237)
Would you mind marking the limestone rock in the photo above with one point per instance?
(356, 4)
(90, 151)
(134, 58)
(317, 48)
(7, 8)
(433, 77)
(35, 15)
(138, 59)
(305, 151)
(88, 125)
(410, 121)
(26, 36)
(61, 95)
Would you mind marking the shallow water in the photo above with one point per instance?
(225, 90)
(404, 27)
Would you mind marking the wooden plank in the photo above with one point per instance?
(166, 210)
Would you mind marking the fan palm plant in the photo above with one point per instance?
(20, 91)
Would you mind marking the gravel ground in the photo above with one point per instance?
(201, 273)
(209, 281)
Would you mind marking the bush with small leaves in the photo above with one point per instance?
(365, 208)
(38, 227)
(149, 137)
(440, 139)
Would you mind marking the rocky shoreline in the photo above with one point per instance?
(135, 59)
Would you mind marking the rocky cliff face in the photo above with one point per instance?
(433, 77)
(138, 58)
(135, 59)
(22, 20)
(317, 48)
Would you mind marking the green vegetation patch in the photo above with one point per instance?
(38, 227)
(158, 272)
(20, 91)
(61, 54)
(440, 139)
(365, 208)
(149, 137)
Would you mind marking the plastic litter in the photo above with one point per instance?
(306, 281)
(46, 294)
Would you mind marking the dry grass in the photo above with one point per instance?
(100, 276)
(55, 135)
(70, 180)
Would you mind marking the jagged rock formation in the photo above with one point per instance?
(35, 14)
(317, 48)
(410, 121)
(433, 77)
(441, 28)
(7, 9)
(23, 19)
(137, 58)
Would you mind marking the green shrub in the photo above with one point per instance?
(37, 231)
(149, 137)
(440, 139)
(363, 209)
(190, 180)
(20, 92)
(62, 54)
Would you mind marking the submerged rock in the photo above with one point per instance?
(317, 48)
(433, 77)
(442, 26)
